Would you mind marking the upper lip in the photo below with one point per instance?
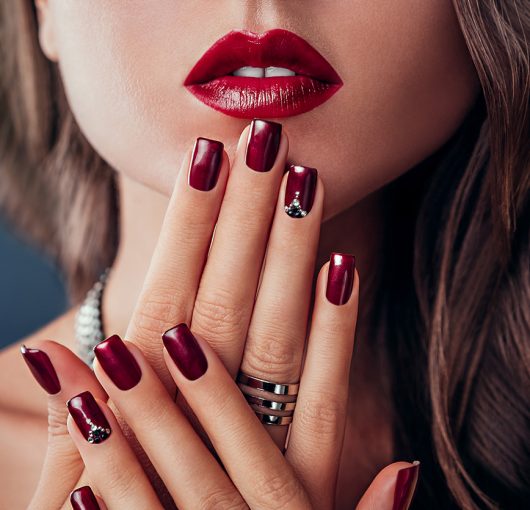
(277, 47)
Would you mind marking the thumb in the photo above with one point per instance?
(62, 375)
(392, 489)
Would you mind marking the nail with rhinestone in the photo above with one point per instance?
(300, 190)
(89, 417)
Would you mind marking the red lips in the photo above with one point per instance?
(211, 81)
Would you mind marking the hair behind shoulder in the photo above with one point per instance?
(56, 190)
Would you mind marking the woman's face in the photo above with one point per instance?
(408, 81)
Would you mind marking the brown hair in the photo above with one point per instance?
(454, 297)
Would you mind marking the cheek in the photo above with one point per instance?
(119, 64)
(409, 82)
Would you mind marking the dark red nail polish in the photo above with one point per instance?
(263, 144)
(118, 362)
(405, 487)
(89, 417)
(300, 190)
(185, 351)
(205, 164)
(84, 499)
(42, 369)
(340, 278)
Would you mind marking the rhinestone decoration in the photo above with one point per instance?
(294, 209)
(89, 322)
(97, 434)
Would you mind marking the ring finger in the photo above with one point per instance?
(277, 333)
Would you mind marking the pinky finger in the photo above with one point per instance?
(84, 498)
(317, 432)
(110, 462)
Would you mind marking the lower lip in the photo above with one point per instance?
(281, 96)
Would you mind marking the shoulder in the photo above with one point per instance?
(19, 392)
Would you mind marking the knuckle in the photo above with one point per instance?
(217, 314)
(273, 356)
(119, 480)
(284, 491)
(221, 499)
(321, 416)
(157, 310)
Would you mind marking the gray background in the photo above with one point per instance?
(31, 288)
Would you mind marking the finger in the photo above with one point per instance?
(84, 498)
(277, 333)
(227, 290)
(109, 460)
(254, 463)
(317, 431)
(392, 489)
(193, 477)
(61, 374)
(177, 263)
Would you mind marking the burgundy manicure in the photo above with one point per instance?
(118, 362)
(205, 164)
(89, 417)
(340, 278)
(405, 487)
(185, 351)
(263, 144)
(42, 369)
(84, 499)
(300, 190)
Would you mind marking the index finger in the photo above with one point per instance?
(177, 263)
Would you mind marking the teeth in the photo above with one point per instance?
(278, 71)
(260, 72)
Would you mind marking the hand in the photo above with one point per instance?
(264, 333)
(257, 474)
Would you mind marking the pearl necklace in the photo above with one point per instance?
(88, 324)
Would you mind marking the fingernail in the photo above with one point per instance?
(300, 190)
(84, 499)
(118, 362)
(405, 486)
(205, 164)
(185, 351)
(340, 278)
(89, 417)
(42, 369)
(263, 144)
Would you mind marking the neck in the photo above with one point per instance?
(141, 214)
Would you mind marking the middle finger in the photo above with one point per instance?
(227, 290)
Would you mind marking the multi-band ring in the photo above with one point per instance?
(272, 402)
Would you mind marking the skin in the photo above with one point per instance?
(408, 83)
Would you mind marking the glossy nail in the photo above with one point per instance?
(89, 417)
(405, 486)
(263, 144)
(185, 351)
(84, 499)
(42, 369)
(205, 164)
(118, 362)
(300, 190)
(340, 278)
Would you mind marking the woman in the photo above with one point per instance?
(404, 130)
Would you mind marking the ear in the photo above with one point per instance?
(47, 37)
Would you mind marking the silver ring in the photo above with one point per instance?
(262, 384)
(264, 403)
(269, 419)
(269, 410)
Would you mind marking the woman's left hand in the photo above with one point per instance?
(258, 474)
